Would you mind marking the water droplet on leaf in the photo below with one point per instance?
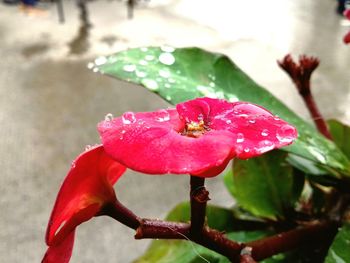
(129, 68)
(167, 58)
(150, 84)
(100, 61)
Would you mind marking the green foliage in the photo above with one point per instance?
(339, 252)
(187, 73)
(341, 135)
(265, 186)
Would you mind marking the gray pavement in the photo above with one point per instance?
(50, 102)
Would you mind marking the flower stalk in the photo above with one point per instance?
(301, 75)
(199, 197)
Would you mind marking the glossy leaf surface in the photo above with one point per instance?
(341, 135)
(264, 186)
(339, 251)
(178, 75)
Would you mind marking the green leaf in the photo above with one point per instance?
(187, 73)
(341, 135)
(339, 251)
(265, 185)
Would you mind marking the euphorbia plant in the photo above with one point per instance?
(287, 201)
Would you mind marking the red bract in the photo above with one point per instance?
(87, 188)
(199, 137)
(346, 38)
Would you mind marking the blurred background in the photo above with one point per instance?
(50, 101)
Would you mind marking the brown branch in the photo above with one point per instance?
(199, 197)
(316, 232)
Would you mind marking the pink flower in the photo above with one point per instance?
(87, 188)
(199, 137)
(346, 38)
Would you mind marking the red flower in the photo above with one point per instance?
(199, 137)
(87, 188)
(346, 38)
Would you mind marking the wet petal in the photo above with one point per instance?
(87, 187)
(60, 253)
(156, 147)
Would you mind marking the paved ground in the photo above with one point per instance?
(50, 102)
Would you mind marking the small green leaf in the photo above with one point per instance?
(339, 251)
(187, 73)
(341, 135)
(264, 186)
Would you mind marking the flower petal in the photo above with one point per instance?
(346, 38)
(87, 187)
(60, 253)
(153, 145)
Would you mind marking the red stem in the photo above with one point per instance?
(316, 115)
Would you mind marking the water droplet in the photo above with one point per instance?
(144, 49)
(129, 68)
(141, 74)
(164, 73)
(228, 121)
(109, 117)
(128, 118)
(167, 97)
(212, 84)
(143, 62)
(95, 70)
(73, 165)
(112, 59)
(90, 65)
(240, 138)
(233, 99)
(286, 133)
(252, 121)
(264, 132)
(88, 147)
(150, 84)
(246, 150)
(167, 49)
(163, 115)
(167, 58)
(100, 61)
(171, 80)
(276, 118)
(167, 85)
(149, 57)
(265, 146)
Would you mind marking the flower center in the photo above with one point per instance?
(195, 129)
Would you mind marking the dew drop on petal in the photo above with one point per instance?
(128, 118)
(264, 132)
(252, 121)
(129, 68)
(167, 58)
(73, 165)
(246, 150)
(240, 138)
(228, 121)
(88, 147)
(109, 117)
(286, 133)
(162, 115)
(265, 146)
